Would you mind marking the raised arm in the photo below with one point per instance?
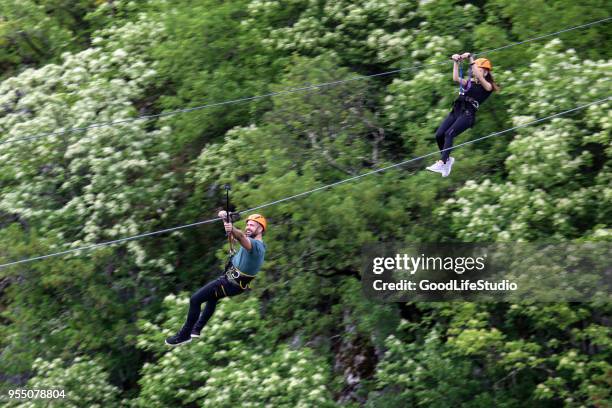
(456, 60)
(479, 74)
(236, 233)
(241, 238)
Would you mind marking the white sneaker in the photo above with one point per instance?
(446, 169)
(437, 166)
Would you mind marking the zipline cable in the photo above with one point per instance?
(420, 157)
(283, 92)
(106, 243)
(543, 36)
(121, 240)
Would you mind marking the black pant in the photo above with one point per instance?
(457, 121)
(209, 293)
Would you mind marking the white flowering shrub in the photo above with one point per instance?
(408, 101)
(365, 30)
(558, 172)
(234, 363)
(84, 384)
(101, 183)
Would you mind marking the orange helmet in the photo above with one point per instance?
(484, 63)
(258, 218)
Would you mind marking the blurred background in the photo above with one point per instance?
(93, 322)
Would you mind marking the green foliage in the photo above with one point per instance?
(537, 17)
(83, 188)
(34, 32)
(84, 383)
(305, 335)
(235, 362)
(210, 56)
(471, 360)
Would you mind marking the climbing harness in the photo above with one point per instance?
(238, 277)
(465, 102)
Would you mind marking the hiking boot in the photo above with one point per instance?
(436, 167)
(447, 167)
(178, 339)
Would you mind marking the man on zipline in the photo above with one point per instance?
(239, 272)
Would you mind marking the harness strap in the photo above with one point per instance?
(230, 239)
(463, 90)
(463, 101)
(239, 278)
(472, 101)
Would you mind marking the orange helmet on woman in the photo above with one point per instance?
(484, 63)
(260, 219)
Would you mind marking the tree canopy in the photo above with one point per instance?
(93, 322)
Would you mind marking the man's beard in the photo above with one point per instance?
(248, 233)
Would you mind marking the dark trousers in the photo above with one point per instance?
(209, 293)
(457, 121)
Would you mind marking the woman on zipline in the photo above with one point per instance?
(473, 91)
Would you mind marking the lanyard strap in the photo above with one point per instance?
(463, 90)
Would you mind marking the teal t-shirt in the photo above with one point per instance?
(250, 262)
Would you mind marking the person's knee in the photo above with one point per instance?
(211, 305)
(195, 300)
